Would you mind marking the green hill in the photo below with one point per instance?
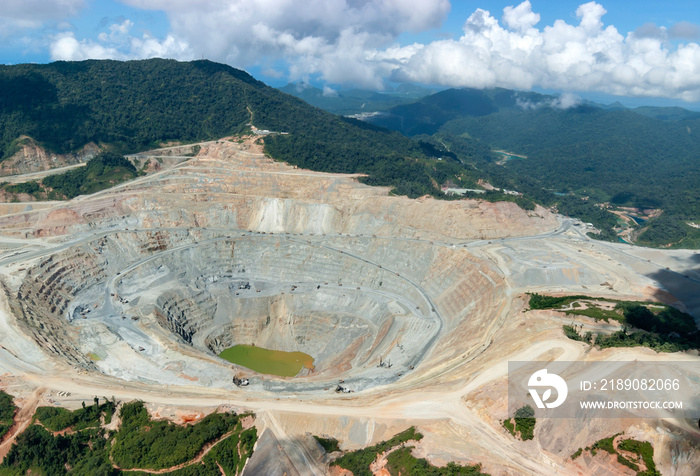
(644, 158)
(129, 105)
(618, 157)
(136, 105)
(429, 114)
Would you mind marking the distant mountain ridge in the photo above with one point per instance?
(355, 101)
(428, 114)
(645, 158)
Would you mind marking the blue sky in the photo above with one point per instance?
(638, 52)
(625, 15)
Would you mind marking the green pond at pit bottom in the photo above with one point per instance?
(266, 361)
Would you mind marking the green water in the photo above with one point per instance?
(266, 361)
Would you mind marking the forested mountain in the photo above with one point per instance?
(617, 156)
(577, 157)
(135, 105)
(645, 158)
(130, 105)
(428, 114)
(667, 113)
(355, 101)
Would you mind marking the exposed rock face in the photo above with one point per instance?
(269, 458)
(233, 248)
(418, 301)
(33, 158)
(231, 186)
(279, 292)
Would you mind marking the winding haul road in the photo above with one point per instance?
(384, 402)
(417, 398)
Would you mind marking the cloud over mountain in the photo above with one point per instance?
(363, 43)
(588, 56)
(338, 39)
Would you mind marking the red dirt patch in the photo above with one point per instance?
(188, 377)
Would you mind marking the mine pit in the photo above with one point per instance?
(273, 258)
(196, 298)
(231, 249)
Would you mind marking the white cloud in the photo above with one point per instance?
(587, 56)
(118, 30)
(149, 47)
(17, 16)
(564, 101)
(117, 44)
(521, 17)
(329, 92)
(343, 41)
(67, 47)
(355, 42)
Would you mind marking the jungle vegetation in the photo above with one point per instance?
(650, 324)
(132, 106)
(400, 461)
(83, 446)
(578, 158)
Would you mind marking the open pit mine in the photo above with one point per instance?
(409, 309)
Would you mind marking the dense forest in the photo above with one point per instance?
(57, 418)
(103, 171)
(577, 158)
(145, 443)
(7, 413)
(130, 105)
(619, 157)
(87, 448)
(135, 105)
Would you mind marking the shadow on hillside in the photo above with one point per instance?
(684, 286)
